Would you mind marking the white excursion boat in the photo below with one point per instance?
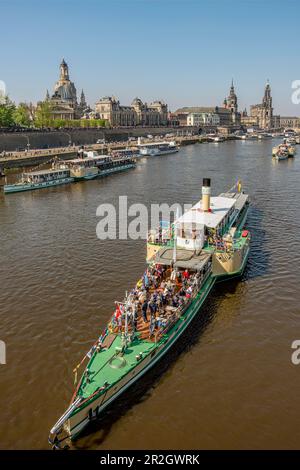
(157, 148)
(291, 141)
(40, 179)
(88, 166)
(281, 154)
(264, 135)
(284, 150)
(91, 165)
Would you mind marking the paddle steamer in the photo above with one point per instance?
(205, 245)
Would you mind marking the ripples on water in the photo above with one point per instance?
(228, 384)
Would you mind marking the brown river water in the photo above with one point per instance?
(228, 384)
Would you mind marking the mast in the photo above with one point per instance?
(175, 238)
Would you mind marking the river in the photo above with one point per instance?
(230, 384)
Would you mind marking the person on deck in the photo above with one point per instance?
(144, 311)
(152, 326)
(186, 274)
(152, 307)
(173, 275)
(146, 281)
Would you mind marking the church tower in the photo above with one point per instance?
(64, 71)
(82, 103)
(232, 99)
(64, 88)
(231, 103)
(267, 109)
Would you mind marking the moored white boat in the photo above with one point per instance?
(219, 138)
(40, 180)
(91, 165)
(154, 149)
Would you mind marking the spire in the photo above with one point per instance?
(82, 100)
(267, 95)
(232, 87)
(47, 95)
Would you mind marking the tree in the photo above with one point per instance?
(58, 123)
(43, 114)
(7, 109)
(21, 115)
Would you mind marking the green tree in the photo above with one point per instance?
(57, 123)
(7, 109)
(21, 115)
(43, 114)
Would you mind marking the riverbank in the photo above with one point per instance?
(29, 158)
(16, 141)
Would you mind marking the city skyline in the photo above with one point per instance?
(184, 53)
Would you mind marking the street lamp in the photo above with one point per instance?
(70, 138)
(28, 143)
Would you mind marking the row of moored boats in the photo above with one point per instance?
(87, 166)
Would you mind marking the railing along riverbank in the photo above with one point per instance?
(17, 159)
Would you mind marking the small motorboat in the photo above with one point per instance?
(284, 148)
(281, 154)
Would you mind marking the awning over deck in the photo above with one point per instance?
(240, 199)
(185, 259)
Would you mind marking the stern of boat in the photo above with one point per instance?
(231, 262)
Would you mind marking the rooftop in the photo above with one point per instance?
(219, 205)
(42, 172)
(202, 109)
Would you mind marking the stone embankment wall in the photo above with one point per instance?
(40, 140)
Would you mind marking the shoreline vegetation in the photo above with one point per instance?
(27, 115)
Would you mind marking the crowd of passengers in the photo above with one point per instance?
(156, 293)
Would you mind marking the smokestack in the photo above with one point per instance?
(206, 195)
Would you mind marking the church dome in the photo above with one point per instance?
(137, 102)
(66, 91)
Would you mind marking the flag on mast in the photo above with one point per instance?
(175, 238)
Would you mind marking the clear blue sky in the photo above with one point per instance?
(182, 51)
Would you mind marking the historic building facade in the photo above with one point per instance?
(138, 114)
(203, 119)
(223, 115)
(226, 115)
(289, 121)
(63, 102)
(263, 113)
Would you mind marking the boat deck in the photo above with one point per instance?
(109, 365)
(106, 368)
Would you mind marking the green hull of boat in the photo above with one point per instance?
(15, 188)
